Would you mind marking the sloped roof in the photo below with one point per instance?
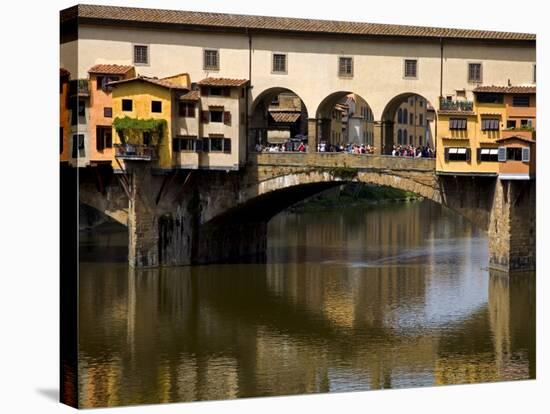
(190, 96)
(285, 117)
(521, 138)
(155, 81)
(110, 69)
(87, 13)
(506, 89)
(223, 82)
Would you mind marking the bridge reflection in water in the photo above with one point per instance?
(355, 299)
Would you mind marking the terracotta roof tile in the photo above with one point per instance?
(521, 138)
(223, 82)
(286, 117)
(154, 81)
(110, 69)
(190, 96)
(131, 15)
(506, 89)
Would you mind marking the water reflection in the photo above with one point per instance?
(356, 299)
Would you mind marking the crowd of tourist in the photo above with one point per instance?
(421, 151)
(412, 151)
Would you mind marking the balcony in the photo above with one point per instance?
(135, 152)
(79, 87)
(462, 105)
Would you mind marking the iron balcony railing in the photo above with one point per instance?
(79, 87)
(135, 152)
(448, 105)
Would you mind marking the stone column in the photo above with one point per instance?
(512, 226)
(387, 137)
(143, 230)
(312, 132)
(377, 131)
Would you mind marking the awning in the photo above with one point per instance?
(493, 151)
(461, 150)
(485, 151)
(453, 150)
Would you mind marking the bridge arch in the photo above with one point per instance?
(411, 115)
(345, 117)
(277, 114)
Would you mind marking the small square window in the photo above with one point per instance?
(411, 68)
(279, 63)
(345, 66)
(511, 123)
(474, 72)
(211, 59)
(156, 106)
(520, 100)
(107, 112)
(141, 54)
(127, 105)
(216, 116)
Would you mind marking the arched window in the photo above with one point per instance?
(405, 135)
(405, 117)
(399, 136)
(399, 116)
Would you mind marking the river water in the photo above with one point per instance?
(356, 298)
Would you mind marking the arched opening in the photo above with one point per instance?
(409, 126)
(345, 122)
(279, 122)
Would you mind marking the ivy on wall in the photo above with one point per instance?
(131, 130)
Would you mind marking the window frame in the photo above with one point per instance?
(405, 61)
(204, 65)
(153, 102)
(147, 48)
(476, 81)
(345, 75)
(131, 105)
(210, 111)
(279, 72)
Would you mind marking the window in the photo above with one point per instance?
(107, 112)
(216, 144)
(420, 140)
(211, 59)
(474, 72)
(526, 123)
(488, 124)
(420, 119)
(103, 137)
(81, 109)
(514, 154)
(141, 54)
(156, 106)
(421, 102)
(187, 109)
(457, 123)
(279, 63)
(511, 123)
(520, 100)
(487, 154)
(216, 91)
(399, 116)
(492, 98)
(399, 137)
(410, 68)
(188, 144)
(457, 154)
(411, 119)
(78, 146)
(127, 105)
(535, 73)
(345, 66)
(102, 81)
(146, 138)
(405, 115)
(61, 140)
(216, 115)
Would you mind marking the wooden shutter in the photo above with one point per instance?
(447, 154)
(227, 145)
(468, 154)
(191, 110)
(478, 155)
(175, 144)
(75, 146)
(99, 139)
(525, 154)
(206, 145)
(204, 91)
(181, 108)
(226, 92)
(227, 118)
(198, 145)
(204, 116)
(501, 154)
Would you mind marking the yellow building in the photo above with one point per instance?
(488, 136)
(142, 118)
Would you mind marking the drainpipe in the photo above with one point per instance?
(246, 122)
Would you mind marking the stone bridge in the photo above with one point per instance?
(199, 216)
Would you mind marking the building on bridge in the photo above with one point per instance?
(64, 115)
(414, 121)
(493, 135)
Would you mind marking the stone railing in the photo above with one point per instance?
(342, 160)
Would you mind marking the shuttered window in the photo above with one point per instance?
(345, 66)
(490, 124)
(457, 154)
(410, 68)
(487, 154)
(187, 109)
(474, 72)
(141, 54)
(525, 154)
(457, 123)
(520, 100)
(502, 154)
(279, 63)
(211, 59)
(184, 143)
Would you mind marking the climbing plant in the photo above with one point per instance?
(130, 130)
